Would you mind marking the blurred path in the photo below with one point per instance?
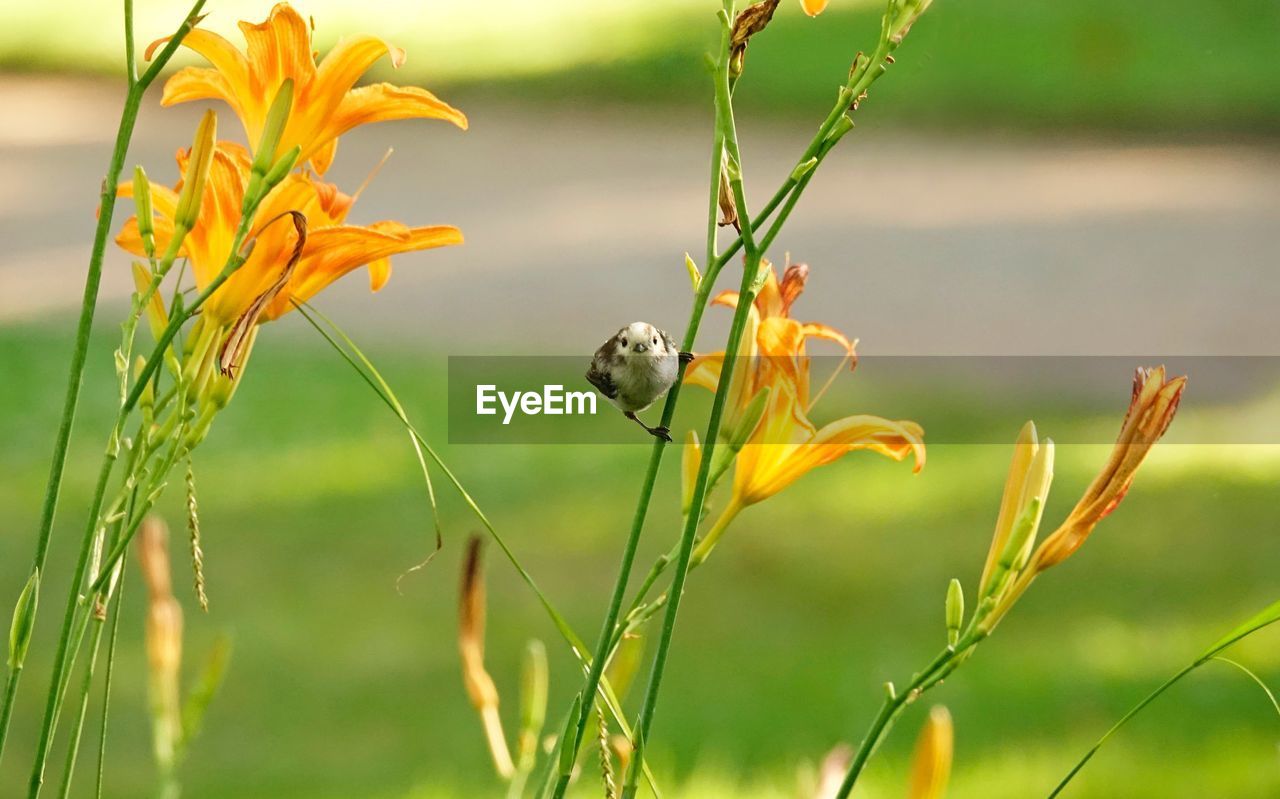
(577, 221)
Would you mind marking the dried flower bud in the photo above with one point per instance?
(750, 21)
(931, 763)
(728, 208)
(479, 685)
(1151, 409)
(24, 621)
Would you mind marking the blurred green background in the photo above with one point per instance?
(1073, 177)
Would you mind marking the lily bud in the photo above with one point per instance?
(690, 458)
(955, 611)
(749, 420)
(198, 165)
(157, 319)
(1030, 475)
(24, 621)
(146, 219)
(931, 763)
(282, 167)
(277, 117)
(1153, 403)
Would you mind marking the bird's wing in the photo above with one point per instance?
(670, 342)
(598, 376)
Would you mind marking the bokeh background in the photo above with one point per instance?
(1071, 178)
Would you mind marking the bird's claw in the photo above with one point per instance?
(663, 433)
(685, 357)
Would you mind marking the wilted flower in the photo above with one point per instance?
(325, 103)
(480, 688)
(1151, 409)
(931, 763)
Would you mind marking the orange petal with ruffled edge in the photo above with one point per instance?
(279, 48)
(335, 251)
(350, 58)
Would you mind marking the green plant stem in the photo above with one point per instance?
(73, 747)
(1268, 616)
(896, 700)
(137, 88)
(10, 690)
(106, 687)
(746, 295)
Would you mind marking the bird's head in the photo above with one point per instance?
(639, 338)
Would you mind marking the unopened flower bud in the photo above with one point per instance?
(24, 621)
(955, 611)
(931, 763)
(198, 164)
(690, 458)
(264, 154)
(142, 202)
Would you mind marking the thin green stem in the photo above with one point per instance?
(728, 131)
(89, 300)
(1266, 618)
(73, 747)
(10, 690)
(893, 704)
(106, 687)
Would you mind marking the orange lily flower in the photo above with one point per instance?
(332, 248)
(325, 105)
(785, 444)
(773, 344)
(813, 7)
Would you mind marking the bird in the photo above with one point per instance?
(635, 367)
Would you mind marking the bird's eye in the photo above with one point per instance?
(655, 341)
(624, 342)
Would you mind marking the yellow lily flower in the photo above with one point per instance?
(325, 104)
(785, 444)
(332, 248)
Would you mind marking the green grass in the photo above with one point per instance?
(341, 687)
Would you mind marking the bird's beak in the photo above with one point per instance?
(641, 347)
